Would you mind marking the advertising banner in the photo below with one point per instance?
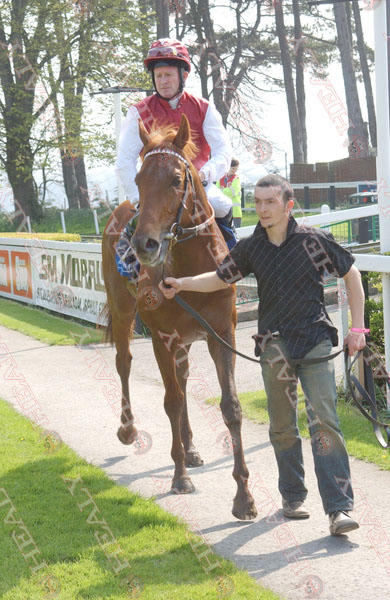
(65, 277)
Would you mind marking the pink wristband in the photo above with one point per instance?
(356, 330)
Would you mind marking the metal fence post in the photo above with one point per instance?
(306, 197)
(332, 197)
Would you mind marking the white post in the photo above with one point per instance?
(63, 221)
(28, 224)
(342, 301)
(95, 218)
(325, 209)
(383, 159)
(118, 124)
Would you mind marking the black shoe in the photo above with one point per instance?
(295, 510)
(340, 522)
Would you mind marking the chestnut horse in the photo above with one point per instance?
(176, 235)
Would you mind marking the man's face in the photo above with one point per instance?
(232, 171)
(167, 81)
(270, 207)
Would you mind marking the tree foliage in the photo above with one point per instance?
(51, 53)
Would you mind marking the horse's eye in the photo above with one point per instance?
(176, 181)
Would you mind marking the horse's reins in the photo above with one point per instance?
(368, 396)
(207, 326)
(177, 231)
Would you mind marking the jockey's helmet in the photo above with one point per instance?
(167, 52)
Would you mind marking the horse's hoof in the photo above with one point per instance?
(183, 485)
(244, 510)
(193, 459)
(127, 436)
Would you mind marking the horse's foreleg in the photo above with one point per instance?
(173, 404)
(192, 456)
(121, 330)
(243, 506)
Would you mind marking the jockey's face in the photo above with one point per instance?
(167, 81)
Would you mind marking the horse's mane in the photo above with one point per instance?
(161, 135)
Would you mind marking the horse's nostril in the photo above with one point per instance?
(151, 245)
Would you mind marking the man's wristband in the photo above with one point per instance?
(356, 330)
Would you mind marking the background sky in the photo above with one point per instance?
(324, 142)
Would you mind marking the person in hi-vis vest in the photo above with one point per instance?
(169, 64)
(231, 186)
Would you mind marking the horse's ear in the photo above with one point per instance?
(143, 134)
(183, 134)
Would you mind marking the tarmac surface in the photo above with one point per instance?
(77, 390)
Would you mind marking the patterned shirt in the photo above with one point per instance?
(290, 282)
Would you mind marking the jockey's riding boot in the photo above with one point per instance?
(227, 228)
(128, 264)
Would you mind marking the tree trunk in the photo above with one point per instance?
(82, 184)
(202, 48)
(70, 181)
(295, 126)
(299, 76)
(21, 179)
(25, 195)
(357, 131)
(366, 74)
(162, 19)
(213, 58)
(18, 120)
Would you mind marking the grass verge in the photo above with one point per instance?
(94, 539)
(45, 327)
(358, 433)
(54, 237)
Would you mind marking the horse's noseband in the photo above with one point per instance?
(176, 229)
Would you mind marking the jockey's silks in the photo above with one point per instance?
(159, 110)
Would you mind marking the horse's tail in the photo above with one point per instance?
(105, 315)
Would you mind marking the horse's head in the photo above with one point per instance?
(166, 183)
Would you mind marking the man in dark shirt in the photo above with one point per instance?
(290, 263)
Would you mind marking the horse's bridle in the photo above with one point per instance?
(176, 229)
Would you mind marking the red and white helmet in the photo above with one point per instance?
(168, 51)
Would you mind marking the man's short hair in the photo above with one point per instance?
(273, 180)
(235, 163)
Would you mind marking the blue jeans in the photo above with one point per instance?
(330, 456)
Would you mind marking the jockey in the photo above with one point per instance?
(169, 64)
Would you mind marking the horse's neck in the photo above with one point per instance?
(204, 251)
(201, 207)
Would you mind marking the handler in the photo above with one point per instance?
(290, 263)
(169, 64)
(230, 184)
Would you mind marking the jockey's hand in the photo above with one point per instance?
(174, 287)
(354, 341)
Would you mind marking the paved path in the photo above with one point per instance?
(76, 390)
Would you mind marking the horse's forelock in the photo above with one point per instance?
(164, 135)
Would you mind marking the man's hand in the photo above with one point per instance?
(355, 341)
(169, 292)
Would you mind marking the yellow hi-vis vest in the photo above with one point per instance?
(231, 186)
